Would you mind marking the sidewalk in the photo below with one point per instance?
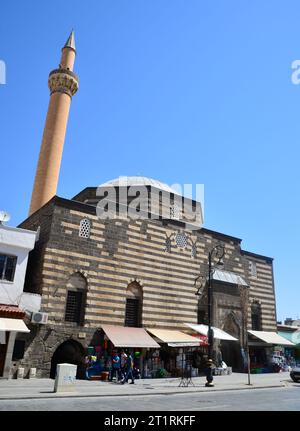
(43, 388)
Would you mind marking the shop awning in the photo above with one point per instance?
(16, 325)
(271, 338)
(174, 338)
(294, 336)
(219, 334)
(123, 336)
(229, 277)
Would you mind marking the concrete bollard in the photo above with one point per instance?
(32, 373)
(65, 378)
(20, 373)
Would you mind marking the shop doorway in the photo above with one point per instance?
(231, 350)
(70, 352)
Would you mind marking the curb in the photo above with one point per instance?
(70, 395)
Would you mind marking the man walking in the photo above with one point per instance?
(116, 367)
(129, 370)
(123, 363)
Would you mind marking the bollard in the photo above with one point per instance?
(32, 373)
(65, 378)
(20, 373)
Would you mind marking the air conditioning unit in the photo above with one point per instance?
(41, 318)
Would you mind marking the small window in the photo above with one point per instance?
(175, 212)
(7, 267)
(85, 228)
(181, 240)
(194, 251)
(168, 245)
(256, 323)
(74, 307)
(252, 268)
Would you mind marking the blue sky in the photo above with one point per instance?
(181, 91)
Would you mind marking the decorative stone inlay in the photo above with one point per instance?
(63, 81)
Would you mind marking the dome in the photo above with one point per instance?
(138, 181)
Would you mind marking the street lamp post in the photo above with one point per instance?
(218, 253)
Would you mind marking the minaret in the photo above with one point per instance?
(63, 84)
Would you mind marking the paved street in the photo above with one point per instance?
(275, 399)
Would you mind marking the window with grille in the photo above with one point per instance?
(181, 240)
(7, 267)
(132, 315)
(252, 268)
(85, 228)
(194, 251)
(168, 245)
(256, 317)
(175, 212)
(74, 307)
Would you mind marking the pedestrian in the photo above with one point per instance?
(209, 372)
(87, 366)
(129, 370)
(123, 358)
(116, 367)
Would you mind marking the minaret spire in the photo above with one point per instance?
(71, 41)
(63, 84)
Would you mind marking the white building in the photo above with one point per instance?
(15, 245)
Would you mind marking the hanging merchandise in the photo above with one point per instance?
(90, 350)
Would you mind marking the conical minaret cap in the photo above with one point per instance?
(71, 41)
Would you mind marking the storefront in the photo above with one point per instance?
(266, 351)
(9, 327)
(226, 347)
(175, 355)
(115, 338)
(291, 353)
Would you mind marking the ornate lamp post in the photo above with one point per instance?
(216, 254)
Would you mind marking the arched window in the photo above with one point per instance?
(134, 300)
(76, 299)
(256, 316)
(85, 228)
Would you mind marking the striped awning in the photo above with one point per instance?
(123, 336)
(174, 338)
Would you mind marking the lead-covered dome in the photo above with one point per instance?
(128, 181)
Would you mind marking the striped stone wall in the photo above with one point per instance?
(119, 252)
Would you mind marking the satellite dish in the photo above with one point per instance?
(4, 216)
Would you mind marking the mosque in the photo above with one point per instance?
(105, 281)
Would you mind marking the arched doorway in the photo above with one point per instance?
(70, 352)
(231, 350)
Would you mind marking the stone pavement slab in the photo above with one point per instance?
(43, 388)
